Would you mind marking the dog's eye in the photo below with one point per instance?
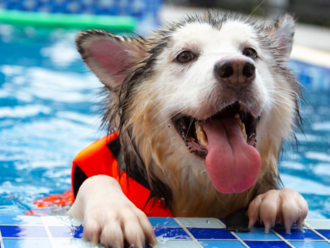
(185, 57)
(250, 52)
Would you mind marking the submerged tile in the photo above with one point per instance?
(221, 244)
(305, 234)
(267, 244)
(310, 244)
(172, 233)
(257, 234)
(27, 243)
(325, 233)
(23, 232)
(163, 221)
(20, 220)
(66, 231)
(209, 233)
(201, 222)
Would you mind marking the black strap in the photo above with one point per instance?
(115, 148)
(78, 178)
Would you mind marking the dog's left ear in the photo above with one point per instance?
(109, 56)
(281, 34)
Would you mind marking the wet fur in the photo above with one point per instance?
(156, 151)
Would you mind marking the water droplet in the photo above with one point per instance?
(207, 221)
(169, 125)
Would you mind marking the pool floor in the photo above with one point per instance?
(62, 232)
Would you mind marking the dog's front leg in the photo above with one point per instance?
(109, 217)
(278, 206)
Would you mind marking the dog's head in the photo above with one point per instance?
(209, 97)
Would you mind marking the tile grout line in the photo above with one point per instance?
(187, 231)
(2, 245)
(283, 239)
(241, 240)
(316, 232)
(48, 232)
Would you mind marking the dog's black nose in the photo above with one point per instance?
(235, 71)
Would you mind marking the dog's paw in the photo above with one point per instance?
(113, 226)
(284, 206)
(109, 216)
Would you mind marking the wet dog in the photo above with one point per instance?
(202, 108)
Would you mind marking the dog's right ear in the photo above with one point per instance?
(109, 56)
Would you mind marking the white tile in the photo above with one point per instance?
(318, 223)
(74, 243)
(201, 222)
(178, 244)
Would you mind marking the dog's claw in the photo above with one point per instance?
(278, 206)
(251, 223)
(267, 228)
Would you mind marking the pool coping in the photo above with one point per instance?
(311, 55)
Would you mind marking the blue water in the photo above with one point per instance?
(48, 114)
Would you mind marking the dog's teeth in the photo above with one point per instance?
(200, 134)
(244, 132)
(242, 126)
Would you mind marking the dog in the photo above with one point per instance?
(202, 108)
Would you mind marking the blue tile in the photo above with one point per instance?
(222, 220)
(259, 224)
(66, 231)
(257, 234)
(174, 233)
(310, 244)
(221, 244)
(20, 220)
(26, 243)
(325, 233)
(267, 244)
(305, 234)
(23, 232)
(209, 233)
(163, 221)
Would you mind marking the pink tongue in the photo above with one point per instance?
(233, 165)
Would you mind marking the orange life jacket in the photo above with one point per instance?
(100, 158)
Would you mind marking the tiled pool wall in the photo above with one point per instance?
(62, 232)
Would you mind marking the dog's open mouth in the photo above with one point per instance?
(227, 142)
(195, 138)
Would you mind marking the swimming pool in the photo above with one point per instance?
(48, 114)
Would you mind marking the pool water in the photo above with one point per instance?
(48, 114)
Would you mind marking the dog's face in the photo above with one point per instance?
(210, 97)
